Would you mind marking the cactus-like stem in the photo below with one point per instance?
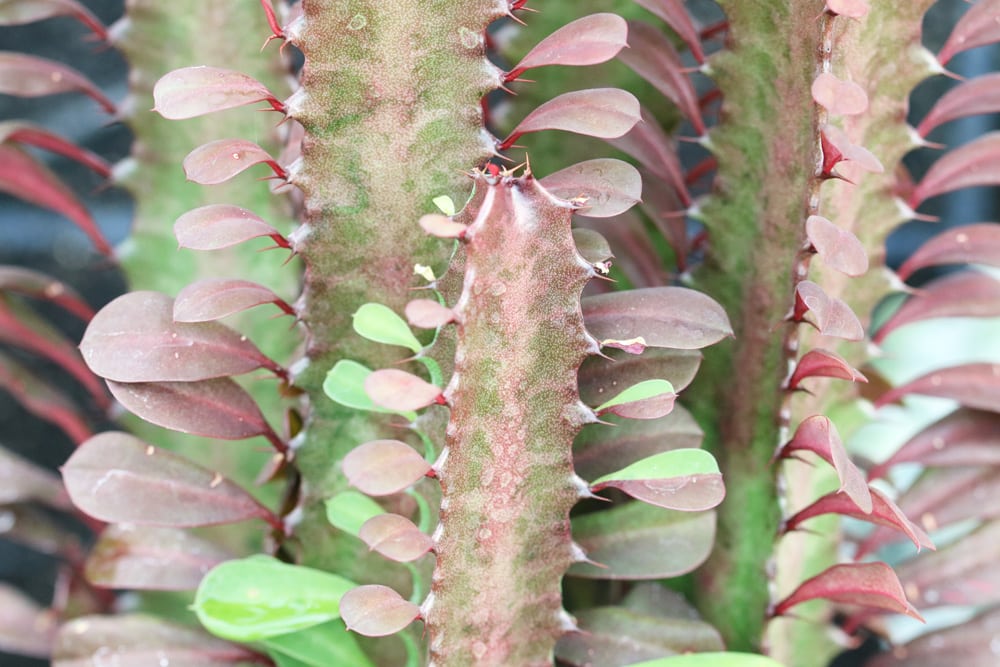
(507, 473)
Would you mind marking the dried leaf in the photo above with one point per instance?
(384, 467)
(195, 91)
(395, 537)
(598, 112)
(682, 479)
(376, 611)
(220, 226)
(980, 95)
(650, 145)
(840, 249)
(964, 294)
(872, 585)
(974, 244)
(25, 628)
(23, 132)
(609, 186)
(590, 40)
(24, 75)
(972, 385)
(841, 98)
(214, 298)
(823, 363)
(22, 481)
(817, 434)
(428, 314)
(20, 12)
(831, 316)
(218, 161)
(675, 15)
(400, 391)
(977, 27)
(975, 163)
(963, 438)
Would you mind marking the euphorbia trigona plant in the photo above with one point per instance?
(455, 400)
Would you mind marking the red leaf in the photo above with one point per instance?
(384, 467)
(605, 113)
(977, 27)
(395, 537)
(974, 244)
(27, 133)
(969, 98)
(673, 13)
(151, 558)
(601, 377)
(43, 400)
(428, 314)
(593, 247)
(841, 98)
(831, 317)
(116, 477)
(30, 76)
(688, 493)
(25, 178)
(652, 56)
(215, 298)
(968, 644)
(837, 147)
(840, 249)
(22, 481)
(41, 286)
(25, 628)
(135, 339)
(195, 91)
(650, 145)
(674, 317)
(398, 390)
(20, 12)
(442, 226)
(661, 204)
(609, 186)
(817, 434)
(972, 385)
(218, 226)
(964, 294)
(589, 40)
(963, 573)
(376, 611)
(218, 161)
(855, 9)
(866, 584)
(823, 363)
(975, 163)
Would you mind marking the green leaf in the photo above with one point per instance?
(349, 510)
(675, 463)
(711, 660)
(318, 646)
(259, 597)
(445, 204)
(345, 384)
(382, 325)
(638, 392)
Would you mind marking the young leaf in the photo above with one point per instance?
(683, 479)
(318, 646)
(22, 132)
(963, 294)
(345, 384)
(116, 477)
(395, 537)
(831, 316)
(218, 161)
(590, 40)
(823, 363)
(220, 226)
(445, 205)
(38, 285)
(376, 611)
(817, 434)
(214, 298)
(609, 186)
(976, 96)
(871, 585)
(841, 98)
(675, 15)
(382, 325)
(349, 511)
(20, 12)
(592, 245)
(25, 628)
(649, 399)
(975, 163)
(31, 76)
(972, 385)
(600, 377)
(259, 597)
(384, 467)
(840, 249)
(977, 27)
(650, 145)
(428, 314)
(975, 244)
(400, 391)
(195, 91)
(22, 481)
(598, 112)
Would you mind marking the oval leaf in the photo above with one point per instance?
(599, 112)
(840, 249)
(30, 76)
(972, 385)
(384, 467)
(218, 161)
(400, 391)
(974, 244)
(376, 611)
(823, 363)
(349, 510)
(382, 325)
(220, 226)
(214, 298)
(428, 314)
(841, 98)
(22, 481)
(977, 27)
(831, 317)
(195, 91)
(345, 384)
(975, 163)
(683, 479)
(976, 96)
(395, 537)
(592, 246)
(648, 399)
(589, 40)
(609, 186)
(600, 377)
(872, 585)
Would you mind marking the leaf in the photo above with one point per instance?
(214, 298)
(831, 316)
(400, 391)
(20, 12)
(609, 186)
(25, 628)
(218, 161)
(442, 226)
(151, 558)
(682, 479)
(969, 644)
(592, 246)
(377, 611)
(445, 204)
(381, 324)
(22, 176)
(349, 510)
(428, 314)
(980, 95)
(662, 205)
(598, 112)
(963, 294)
(650, 145)
(638, 541)
(22, 132)
(601, 376)
(38, 285)
(43, 400)
(319, 646)
(674, 15)
(22, 481)
(972, 385)
(384, 467)
(117, 478)
(727, 659)
(135, 339)
(838, 147)
(975, 244)
(840, 249)
(259, 597)
(972, 164)
(345, 384)
(823, 363)
(590, 40)
(29, 526)
(818, 435)
(977, 27)
(395, 537)
(221, 226)
(840, 98)
(648, 399)
(674, 317)
(653, 57)
(195, 91)
(872, 585)
(24, 75)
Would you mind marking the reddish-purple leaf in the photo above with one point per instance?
(384, 467)
(975, 163)
(400, 391)
(442, 226)
(214, 298)
(684, 479)
(25, 178)
(395, 537)
(600, 378)
(589, 40)
(428, 314)
(609, 186)
(635, 256)
(965, 294)
(593, 247)
(817, 434)
(977, 27)
(884, 513)
(837, 142)
(151, 558)
(652, 56)
(840, 249)
(135, 339)
(973, 244)
(376, 611)
(675, 15)
(972, 385)
(871, 585)
(650, 145)
(22, 481)
(20, 12)
(218, 161)
(855, 9)
(661, 204)
(42, 399)
(25, 628)
(831, 317)
(823, 363)
(968, 644)
(41, 286)
(963, 438)
(972, 97)
(674, 317)
(598, 112)
(656, 400)
(118, 478)
(195, 91)
(22, 132)
(30, 76)
(841, 98)
(218, 226)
